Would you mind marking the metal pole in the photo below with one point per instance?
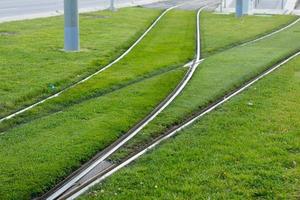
(71, 25)
(239, 8)
(112, 5)
(242, 7)
(221, 6)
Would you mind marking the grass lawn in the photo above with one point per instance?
(247, 149)
(31, 56)
(218, 75)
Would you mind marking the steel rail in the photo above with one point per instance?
(187, 123)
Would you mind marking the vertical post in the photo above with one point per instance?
(239, 8)
(242, 7)
(71, 25)
(112, 5)
(221, 6)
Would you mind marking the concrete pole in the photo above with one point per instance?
(71, 25)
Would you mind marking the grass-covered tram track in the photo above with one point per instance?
(145, 59)
(218, 75)
(212, 36)
(215, 40)
(38, 154)
(248, 148)
(62, 141)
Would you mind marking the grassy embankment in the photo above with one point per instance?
(247, 149)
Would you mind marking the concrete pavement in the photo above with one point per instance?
(11, 10)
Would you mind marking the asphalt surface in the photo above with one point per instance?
(27, 9)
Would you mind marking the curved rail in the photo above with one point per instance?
(136, 129)
(179, 128)
(97, 72)
(119, 143)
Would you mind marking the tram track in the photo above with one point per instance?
(72, 187)
(172, 131)
(14, 114)
(62, 190)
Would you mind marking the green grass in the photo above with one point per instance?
(143, 61)
(216, 76)
(221, 32)
(37, 155)
(32, 57)
(247, 149)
